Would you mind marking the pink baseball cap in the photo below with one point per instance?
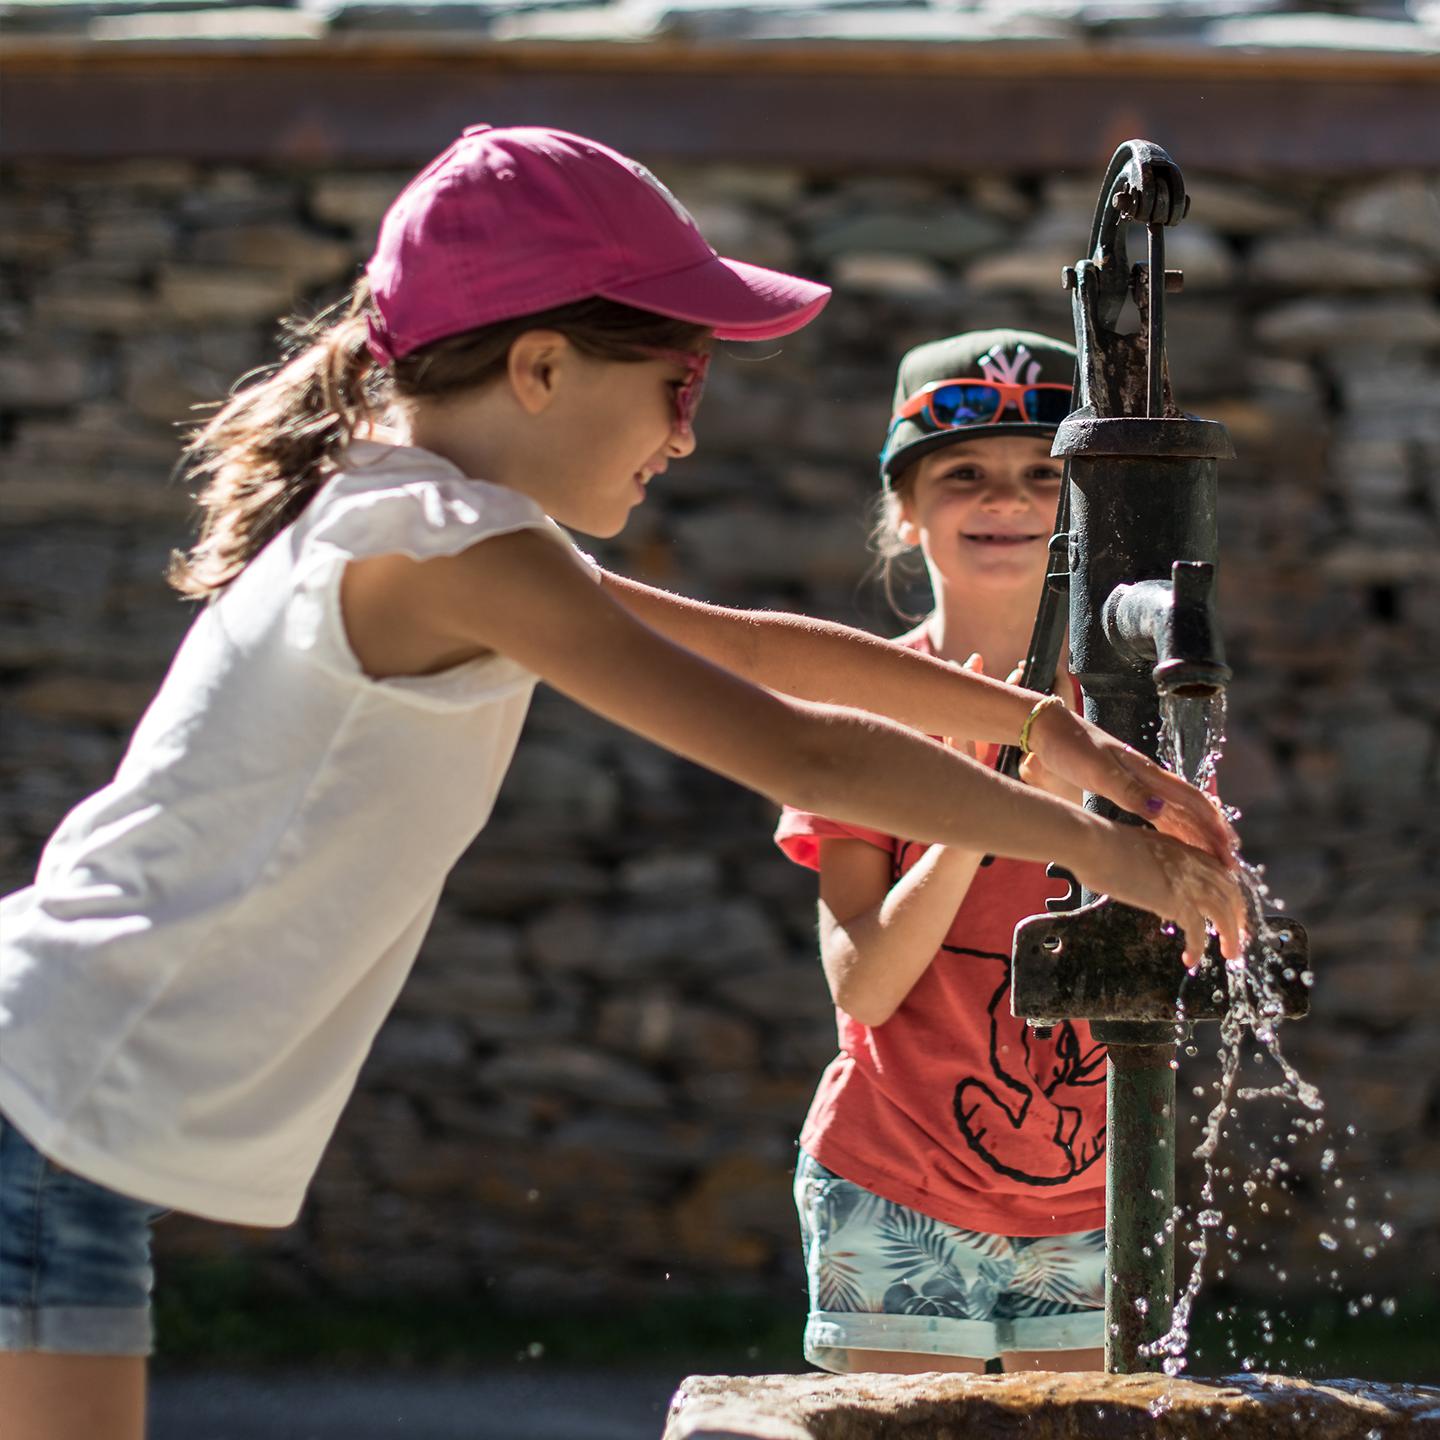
(510, 221)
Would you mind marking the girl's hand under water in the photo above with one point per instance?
(1174, 881)
(1073, 750)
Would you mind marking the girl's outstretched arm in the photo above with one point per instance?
(523, 596)
(834, 664)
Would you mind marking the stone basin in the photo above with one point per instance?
(1045, 1406)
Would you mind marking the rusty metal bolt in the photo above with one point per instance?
(1139, 279)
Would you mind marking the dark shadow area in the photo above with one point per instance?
(210, 1316)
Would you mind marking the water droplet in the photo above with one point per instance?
(1329, 1242)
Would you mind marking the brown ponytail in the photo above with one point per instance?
(269, 449)
(263, 455)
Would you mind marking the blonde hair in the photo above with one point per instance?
(893, 556)
(264, 455)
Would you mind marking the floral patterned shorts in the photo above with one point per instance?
(885, 1277)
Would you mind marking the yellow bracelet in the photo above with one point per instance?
(1043, 704)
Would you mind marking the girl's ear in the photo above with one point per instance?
(534, 367)
(906, 528)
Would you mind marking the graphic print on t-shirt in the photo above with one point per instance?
(1011, 1116)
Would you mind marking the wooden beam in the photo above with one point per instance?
(393, 109)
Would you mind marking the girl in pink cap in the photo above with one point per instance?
(190, 985)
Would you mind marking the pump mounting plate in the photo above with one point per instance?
(1104, 961)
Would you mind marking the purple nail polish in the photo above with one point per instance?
(1153, 804)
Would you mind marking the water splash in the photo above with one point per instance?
(1192, 739)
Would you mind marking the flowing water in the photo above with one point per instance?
(1192, 737)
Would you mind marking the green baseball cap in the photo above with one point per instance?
(1009, 357)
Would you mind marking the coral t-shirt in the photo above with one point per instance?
(953, 1106)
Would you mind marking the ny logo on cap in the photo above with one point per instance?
(996, 366)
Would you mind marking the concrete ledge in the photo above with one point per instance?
(1046, 1407)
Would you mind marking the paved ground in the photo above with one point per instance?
(529, 1403)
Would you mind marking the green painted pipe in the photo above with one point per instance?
(1139, 1203)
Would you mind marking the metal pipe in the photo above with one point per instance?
(1139, 1204)
(1155, 327)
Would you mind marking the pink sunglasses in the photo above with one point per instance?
(687, 396)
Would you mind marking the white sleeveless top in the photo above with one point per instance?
(190, 986)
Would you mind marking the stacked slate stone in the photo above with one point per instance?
(594, 1081)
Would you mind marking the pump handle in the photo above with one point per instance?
(1142, 186)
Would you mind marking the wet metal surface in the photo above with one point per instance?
(1097, 963)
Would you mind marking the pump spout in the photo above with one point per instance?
(1174, 623)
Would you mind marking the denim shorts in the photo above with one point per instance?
(885, 1277)
(75, 1273)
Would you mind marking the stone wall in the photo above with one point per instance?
(595, 1078)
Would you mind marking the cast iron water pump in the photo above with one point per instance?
(1135, 552)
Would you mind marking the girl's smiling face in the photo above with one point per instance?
(983, 510)
(616, 430)
(583, 436)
